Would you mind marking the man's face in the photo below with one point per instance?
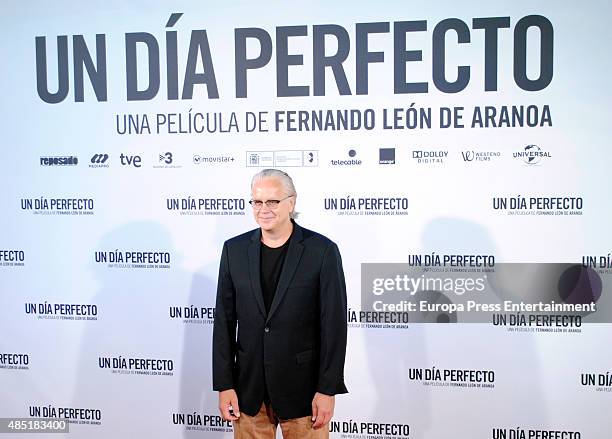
(272, 189)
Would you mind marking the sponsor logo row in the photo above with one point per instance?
(530, 155)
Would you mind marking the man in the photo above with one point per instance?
(279, 337)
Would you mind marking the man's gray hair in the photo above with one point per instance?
(284, 178)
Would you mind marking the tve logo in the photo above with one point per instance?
(131, 160)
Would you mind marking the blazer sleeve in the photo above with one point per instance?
(332, 305)
(224, 328)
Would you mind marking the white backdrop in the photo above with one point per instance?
(55, 252)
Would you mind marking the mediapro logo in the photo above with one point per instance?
(99, 161)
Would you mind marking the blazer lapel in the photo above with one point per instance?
(294, 253)
(254, 253)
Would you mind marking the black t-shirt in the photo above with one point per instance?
(272, 260)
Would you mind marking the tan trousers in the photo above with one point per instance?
(263, 426)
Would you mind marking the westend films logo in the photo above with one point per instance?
(429, 157)
(188, 205)
(193, 314)
(12, 258)
(165, 160)
(386, 156)
(72, 415)
(278, 158)
(359, 429)
(213, 160)
(437, 377)
(202, 422)
(133, 259)
(15, 361)
(350, 161)
(61, 311)
(548, 206)
(137, 366)
(472, 156)
(99, 161)
(532, 155)
(68, 160)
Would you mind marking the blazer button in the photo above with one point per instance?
(267, 329)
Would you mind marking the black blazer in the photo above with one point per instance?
(300, 345)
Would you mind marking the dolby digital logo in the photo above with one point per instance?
(429, 157)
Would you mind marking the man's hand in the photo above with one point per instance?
(322, 409)
(229, 398)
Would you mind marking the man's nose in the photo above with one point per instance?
(265, 208)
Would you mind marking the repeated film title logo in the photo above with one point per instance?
(58, 206)
(361, 429)
(12, 258)
(188, 205)
(14, 360)
(553, 205)
(192, 314)
(453, 378)
(136, 366)
(61, 311)
(602, 264)
(202, 422)
(72, 415)
(130, 259)
(360, 205)
(599, 382)
(533, 433)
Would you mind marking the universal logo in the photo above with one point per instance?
(99, 161)
(532, 155)
(68, 160)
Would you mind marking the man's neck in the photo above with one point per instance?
(276, 238)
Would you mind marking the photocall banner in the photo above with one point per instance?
(457, 152)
